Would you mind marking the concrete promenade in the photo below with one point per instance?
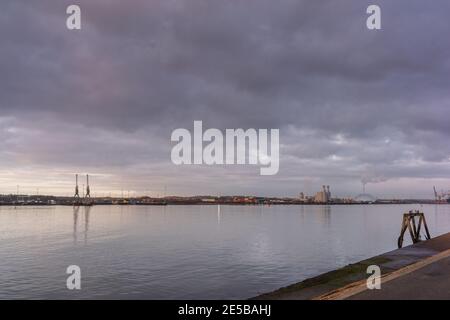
(420, 271)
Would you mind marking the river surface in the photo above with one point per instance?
(189, 252)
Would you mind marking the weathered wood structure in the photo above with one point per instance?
(409, 222)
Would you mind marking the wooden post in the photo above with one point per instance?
(409, 222)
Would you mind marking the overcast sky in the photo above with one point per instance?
(352, 104)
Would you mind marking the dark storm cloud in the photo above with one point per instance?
(349, 102)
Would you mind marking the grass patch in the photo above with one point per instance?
(336, 278)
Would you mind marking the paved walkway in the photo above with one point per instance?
(420, 271)
(429, 282)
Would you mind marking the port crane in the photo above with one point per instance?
(441, 197)
(77, 192)
(86, 201)
(88, 189)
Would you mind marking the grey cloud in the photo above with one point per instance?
(107, 98)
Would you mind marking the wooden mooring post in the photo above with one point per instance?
(409, 222)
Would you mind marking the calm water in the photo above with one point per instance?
(189, 252)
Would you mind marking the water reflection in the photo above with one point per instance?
(75, 223)
(86, 212)
(324, 214)
(218, 214)
(196, 252)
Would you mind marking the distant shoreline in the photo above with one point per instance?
(223, 204)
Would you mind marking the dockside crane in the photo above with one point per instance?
(86, 201)
(88, 189)
(436, 196)
(77, 191)
(441, 197)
